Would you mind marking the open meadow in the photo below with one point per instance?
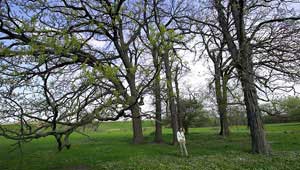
(163, 65)
(110, 147)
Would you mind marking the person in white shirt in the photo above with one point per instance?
(181, 141)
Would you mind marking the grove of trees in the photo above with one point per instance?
(65, 64)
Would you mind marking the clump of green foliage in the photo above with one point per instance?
(288, 110)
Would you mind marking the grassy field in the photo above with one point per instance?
(110, 148)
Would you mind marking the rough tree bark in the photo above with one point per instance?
(137, 125)
(221, 96)
(135, 111)
(244, 65)
(246, 74)
(171, 98)
(179, 110)
(157, 92)
(221, 76)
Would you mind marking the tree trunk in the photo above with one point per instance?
(157, 92)
(179, 112)
(135, 111)
(221, 96)
(258, 137)
(224, 124)
(158, 127)
(247, 74)
(244, 64)
(186, 129)
(171, 98)
(137, 125)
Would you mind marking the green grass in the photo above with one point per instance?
(110, 148)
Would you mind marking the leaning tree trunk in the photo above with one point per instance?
(157, 94)
(171, 98)
(244, 65)
(258, 137)
(247, 77)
